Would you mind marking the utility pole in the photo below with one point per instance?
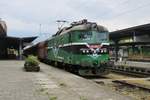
(40, 28)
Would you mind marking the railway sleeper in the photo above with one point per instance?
(134, 85)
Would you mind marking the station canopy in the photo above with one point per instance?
(15, 41)
(129, 32)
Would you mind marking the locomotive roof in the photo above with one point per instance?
(81, 25)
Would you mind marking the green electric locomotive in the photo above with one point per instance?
(81, 48)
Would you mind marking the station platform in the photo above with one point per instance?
(133, 64)
(133, 67)
(49, 84)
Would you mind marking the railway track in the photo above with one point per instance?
(142, 83)
(132, 73)
(127, 85)
(133, 84)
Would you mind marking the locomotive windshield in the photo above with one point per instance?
(85, 35)
(102, 36)
(90, 36)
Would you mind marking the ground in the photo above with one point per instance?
(48, 84)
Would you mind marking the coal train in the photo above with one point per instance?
(81, 48)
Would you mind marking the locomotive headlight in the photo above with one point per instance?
(87, 51)
(105, 50)
(83, 51)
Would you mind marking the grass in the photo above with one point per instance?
(42, 90)
(53, 98)
(50, 96)
(62, 84)
(83, 98)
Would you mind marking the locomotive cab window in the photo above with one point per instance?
(102, 36)
(85, 35)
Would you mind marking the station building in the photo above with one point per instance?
(12, 47)
(131, 44)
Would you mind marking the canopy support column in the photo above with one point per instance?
(116, 51)
(20, 49)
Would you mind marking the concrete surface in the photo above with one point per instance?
(73, 87)
(49, 84)
(16, 84)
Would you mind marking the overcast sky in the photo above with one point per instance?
(23, 17)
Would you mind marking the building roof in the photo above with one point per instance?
(129, 32)
(15, 41)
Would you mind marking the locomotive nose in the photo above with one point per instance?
(95, 63)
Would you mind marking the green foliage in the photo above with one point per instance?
(83, 98)
(53, 98)
(31, 64)
(63, 84)
(32, 61)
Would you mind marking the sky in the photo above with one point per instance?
(26, 18)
